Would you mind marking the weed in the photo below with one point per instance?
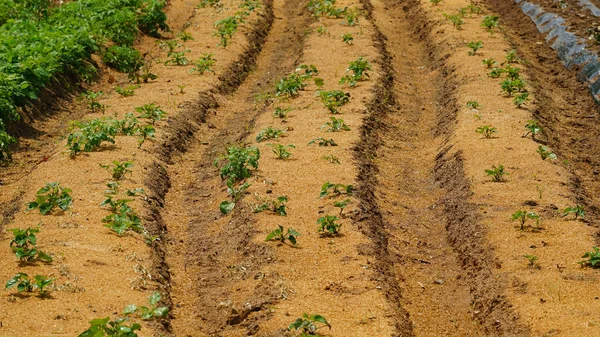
(126, 91)
(239, 162)
(532, 129)
(576, 210)
(119, 170)
(522, 217)
(473, 105)
(323, 142)
(269, 133)
(150, 312)
(456, 20)
(335, 125)
(327, 224)
(333, 190)
(475, 46)
(489, 62)
(309, 324)
(332, 159)
(276, 206)
(490, 22)
(545, 153)
(25, 284)
(359, 69)
(347, 38)
(281, 151)
(278, 234)
(520, 99)
(151, 111)
(593, 258)
(334, 99)
(50, 197)
(24, 245)
(497, 173)
(487, 131)
(204, 64)
(342, 204)
(92, 99)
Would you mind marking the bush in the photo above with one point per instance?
(124, 59)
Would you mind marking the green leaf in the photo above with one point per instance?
(130, 309)
(321, 319)
(161, 312)
(226, 206)
(154, 298)
(43, 256)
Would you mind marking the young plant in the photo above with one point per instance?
(456, 20)
(336, 124)
(520, 99)
(332, 159)
(532, 260)
(119, 170)
(151, 111)
(101, 327)
(497, 173)
(545, 153)
(281, 112)
(522, 217)
(178, 58)
(342, 204)
(25, 284)
(351, 16)
(532, 129)
(333, 99)
(435, 2)
(123, 218)
(475, 46)
(276, 206)
(323, 142)
(290, 86)
(279, 235)
(358, 69)
(490, 23)
(236, 193)
(309, 324)
(92, 99)
(511, 57)
(226, 28)
(149, 312)
(126, 91)
(185, 36)
(281, 151)
(182, 88)
(512, 73)
(333, 190)
(250, 5)
(269, 133)
(576, 210)
(496, 72)
(90, 135)
(593, 258)
(509, 87)
(473, 105)
(50, 197)
(204, 64)
(24, 245)
(487, 131)
(239, 161)
(327, 224)
(322, 30)
(347, 38)
(489, 62)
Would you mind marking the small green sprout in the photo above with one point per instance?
(473, 105)
(475, 46)
(333, 190)
(276, 206)
(497, 173)
(334, 99)
(336, 124)
(342, 204)
(332, 159)
(151, 111)
(279, 235)
(490, 22)
(545, 153)
(281, 112)
(520, 99)
(456, 20)
(576, 210)
(269, 133)
(25, 284)
(522, 217)
(323, 142)
(327, 224)
(593, 258)
(119, 170)
(126, 91)
(309, 324)
(148, 313)
(236, 193)
(435, 2)
(489, 62)
(532, 259)
(487, 131)
(281, 151)
(347, 38)
(532, 129)
(204, 64)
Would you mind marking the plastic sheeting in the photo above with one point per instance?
(570, 48)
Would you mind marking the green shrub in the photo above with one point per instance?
(124, 59)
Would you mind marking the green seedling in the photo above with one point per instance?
(456, 20)
(290, 86)
(281, 112)
(435, 2)
(475, 46)
(177, 58)
(489, 62)
(532, 128)
(204, 64)
(101, 327)
(309, 324)
(309, 70)
(497, 173)
(540, 189)
(336, 124)
(334, 99)
(522, 217)
(250, 5)
(576, 210)
(474, 9)
(185, 36)
(90, 135)
(347, 38)
(210, 3)
(24, 245)
(490, 23)
(520, 99)
(125, 219)
(279, 235)
(276, 206)
(169, 45)
(322, 30)
(269, 133)
(473, 105)
(25, 284)
(512, 73)
(342, 204)
(150, 312)
(593, 258)
(545, 153)
(143, 74)
(509, 87)
(226, 28)
(496, 72)
(327, 224)
(126, 91)
(332, 159)
(511, 57)
(281, 151)
(334, 190)
(239, 161)
(351, 17)
(236, 193)
(50, 197)
(532, 259)
(92, 99)
(323, 142)
(145, 132)
(119, 170)
(357, 71)
(182, 88)
(151, 111)
(487, 131)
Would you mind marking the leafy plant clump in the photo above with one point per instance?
(490, 23)
(576, 210)
(239, 162)
(323, 142)
(487, 131)
(334, 99)
(334, 190)
(101, 327)
(126, 91)
(328, 225)
(92, 99)
(281, 151)
(593, 258)
(24, 245)
(489, 62)
(522, 217)
(148, 312)
(532, 128)
(151, 111)
(335, 125)
(475, 46)
(309, 324)
(532, 259)
(269, 133)
(119, 170)
(50, 197)
(545, 153)
(347, 38)
(236, 193)
(276, 206)
(204, 64)
(278, 234)
(91, 134)
(456, 20)
(282, 112)
(124, 59)
(473, 105)
(357, 71)
(497, 173)
(25, 284)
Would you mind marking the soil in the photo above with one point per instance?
(427, 246)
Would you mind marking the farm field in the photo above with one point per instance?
(298, 168)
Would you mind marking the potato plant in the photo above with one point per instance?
(576, 210)
(545, 153)
(456, 20)
(148, 312)
(151, 111)
(118, 169)
(239, 162)
(50, 197)
(127, 90)
(357, 71)
(497, 173)
(290, 86)
(490, 23)
(281, 113)
(520, 99)
(351, 16)
(278, 234)
(342, 205)
(269, 133)
(593, 258)
(309, 324)
(522, 217)
(26, 284)
(123, 218)
(120, 327)
(24, 245)
(177, 58)
(475, 46)
(332, 159)
(333, 190)
(335, 125)
(323, 142)
(334, 99)
(281, 151)
(473, 105)
(236, 193)
(532, 128)
(532, 259)
(347, 39)
(92, 98)
(276, 206)
(90, 135)
(328, 225)
(487, 131)
(489, 62)
(204, 64)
